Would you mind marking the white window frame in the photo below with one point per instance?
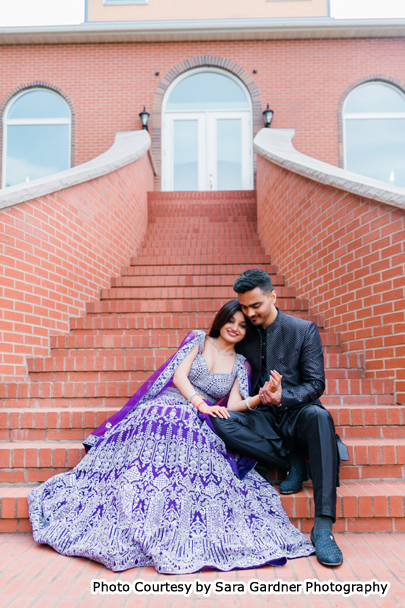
(167, 179)
(367, 115)
(32, 121)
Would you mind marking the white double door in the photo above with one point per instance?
(207, 150)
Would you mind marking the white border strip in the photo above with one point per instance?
(276, 145)
(127, 148)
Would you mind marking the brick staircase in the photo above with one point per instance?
(195, 247)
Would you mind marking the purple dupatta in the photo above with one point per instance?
(158, 382)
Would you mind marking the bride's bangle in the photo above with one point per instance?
(248, 406)
(192, 395)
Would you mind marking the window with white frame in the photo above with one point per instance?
(374, 132)
(36, 138)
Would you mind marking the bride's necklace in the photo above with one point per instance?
(221, 352)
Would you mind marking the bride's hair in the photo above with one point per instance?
(222, 317)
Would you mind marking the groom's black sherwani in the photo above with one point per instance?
(292, 347)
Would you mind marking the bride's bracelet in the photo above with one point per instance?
(198, 405)
(248, 406)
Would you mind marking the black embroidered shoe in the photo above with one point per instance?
(297, 474)
(326, 548)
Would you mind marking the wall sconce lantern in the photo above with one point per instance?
(144, 116)
(268, 117)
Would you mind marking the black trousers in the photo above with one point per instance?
(268, 436)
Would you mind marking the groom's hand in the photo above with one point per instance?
(271, 392)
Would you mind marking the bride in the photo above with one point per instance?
(158, 487)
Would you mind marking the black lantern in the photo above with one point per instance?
(268, 117)
(144, 116)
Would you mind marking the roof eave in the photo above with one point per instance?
(215, 29)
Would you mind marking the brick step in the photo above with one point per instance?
(246, 221)
(216, 249)
(362, 506)
(186, 281)
(201, 237)
(54, 423)
(368, 458)
(370, 432)
(155, 198)
(211, 232)
(225, 216)
(30, 461)
(382, 458)
(76, 345)
(200, 292)
(133, 358)
(359, 416)
(51, 424)
(178, 306)
(42, 395)
(366, 506)
(198, 270)
(250, 260)
(166, 322)
(98, 385)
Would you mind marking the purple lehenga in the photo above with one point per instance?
(158, 487)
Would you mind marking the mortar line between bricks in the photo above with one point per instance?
(401, 581)
(371, 598)
(22, 554)
(29, 582)
(336, 573)
(32, 605)
(74, 580)
(305, 598)
(106, 598)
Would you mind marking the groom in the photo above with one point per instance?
(283, 345)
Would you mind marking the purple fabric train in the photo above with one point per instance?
(158, 486)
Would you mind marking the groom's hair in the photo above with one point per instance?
(253, 278)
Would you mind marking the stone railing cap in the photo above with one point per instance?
(276, 145)
(127, 148)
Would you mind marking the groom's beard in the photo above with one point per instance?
(259, 320)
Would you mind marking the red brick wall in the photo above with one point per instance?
(347, 255)
(58, 251)
(303, 80)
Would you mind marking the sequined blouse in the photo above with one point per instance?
(214, 386)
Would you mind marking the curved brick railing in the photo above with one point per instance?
(61, 240)
(339, 238)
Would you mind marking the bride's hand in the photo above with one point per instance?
(214, 410)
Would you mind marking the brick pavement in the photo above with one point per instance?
(33, 576)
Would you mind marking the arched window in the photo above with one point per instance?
(207, 132)
(207, 91)
(36, 138)
(374, 132)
